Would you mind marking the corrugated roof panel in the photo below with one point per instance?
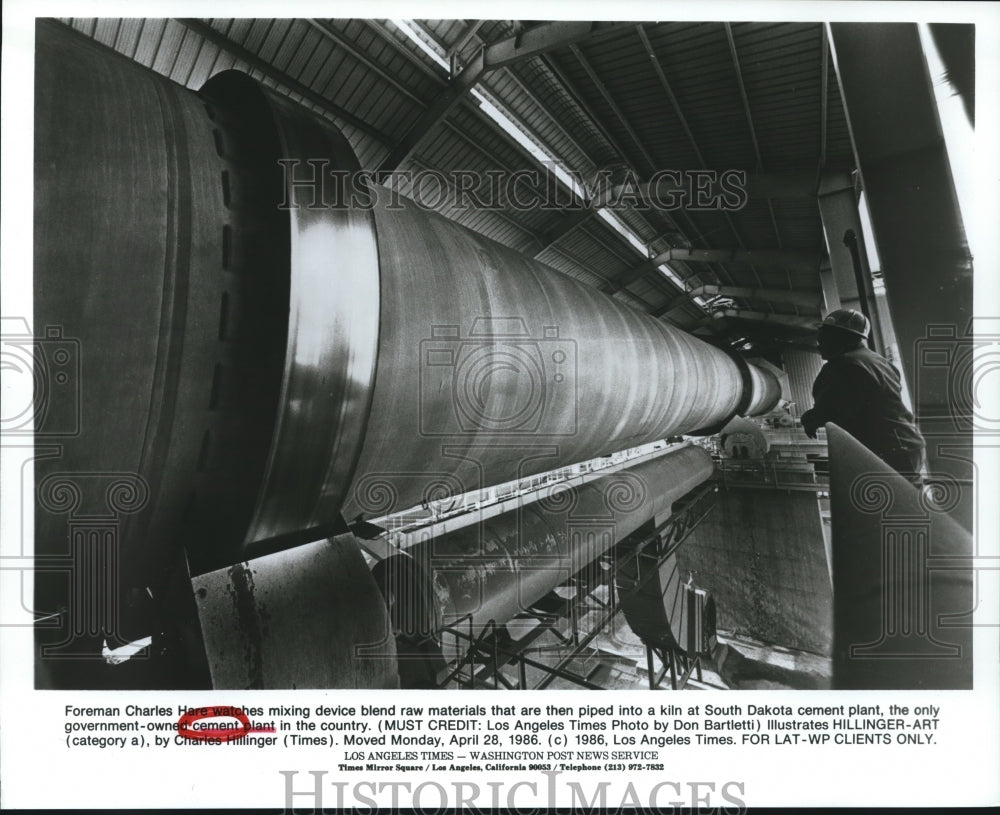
(545, 86)
(613, 43)
(290, 42)
(356, 88)
(308, 44)
(447, 153)
(573, 268)
(757, 42)
(535, 81)
(521, 101)
(646, 290)
(349, 83)
(106, 31)
(238, 29)
(169, 46)
(149, 41)
(697, 63)
(312, 63)
(445, 31)
(187, 53)
(85, 25)
(370, 152)
(387, 109)
(275, 34)
(596, 102)
(638, 221)
(526, 113)
(384, 55)
(423, 81)
(754, 225)
(326, 70)
(204, 65)
(594, 255)
(128, 36)
(363, 93)
(399, 39)
(614, 242)
(572, 104)
(800, 224)
(224, 61)
(781, 66)
(256, 35)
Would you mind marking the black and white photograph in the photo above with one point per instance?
(351, 363)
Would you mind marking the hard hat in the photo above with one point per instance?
(848, 319)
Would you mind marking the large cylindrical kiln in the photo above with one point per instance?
(266, 357)
(253, 356)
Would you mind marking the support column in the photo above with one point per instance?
(904, 165)
(845, 243)
(831, 297)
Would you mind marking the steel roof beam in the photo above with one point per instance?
(679, 301)
(531, 95)
(465, 38)
(743, 93)
(628, 277)
(824, 95)
(792, 186)
(804, 323)
(602, 89)
(489, 58)
(791, 258)
(538, 40)
(335, 36)
(678, 111)
(434, 114)
(796, 298)
(662, 76)
(406, 53)
(910, 190)
(570, 87)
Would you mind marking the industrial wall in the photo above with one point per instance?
(801, 367)
(772, 539)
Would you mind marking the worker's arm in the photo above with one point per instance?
(840, 393)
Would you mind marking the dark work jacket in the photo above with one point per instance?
(860, 391)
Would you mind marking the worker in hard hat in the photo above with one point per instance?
(859, 391)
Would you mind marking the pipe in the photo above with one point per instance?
(798, 298)
(790, 258)
(501, 567)
(805, 323)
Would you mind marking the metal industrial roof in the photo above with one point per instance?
(613, 97)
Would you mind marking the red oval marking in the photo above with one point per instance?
(185, 730)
